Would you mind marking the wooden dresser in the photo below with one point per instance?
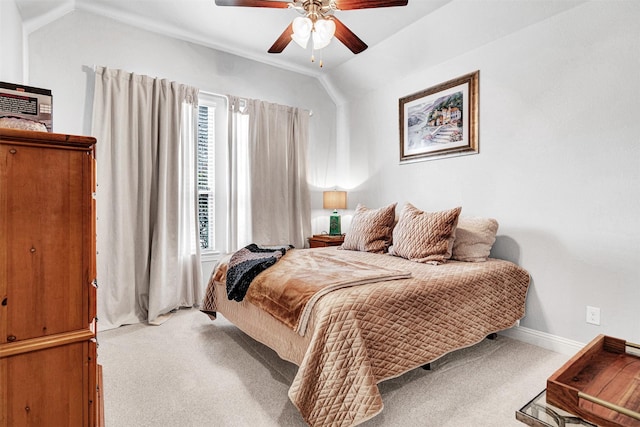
(48, 368)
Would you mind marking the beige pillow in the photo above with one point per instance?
(370, 229)
(474, 239)
(425, 236)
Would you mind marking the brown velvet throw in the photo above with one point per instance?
(290, 288)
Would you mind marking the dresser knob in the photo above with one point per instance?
(11, 338)
(13, 151)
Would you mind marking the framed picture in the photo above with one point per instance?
(25, 107)
(441, 121)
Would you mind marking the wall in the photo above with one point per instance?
(559, 162)
(559, 155)
(10, 43)
(62, 54)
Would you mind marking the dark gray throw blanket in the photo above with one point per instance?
(247, 263)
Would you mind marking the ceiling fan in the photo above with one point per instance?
(317, 21)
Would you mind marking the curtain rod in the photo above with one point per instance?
(243, 102)
(94, 66)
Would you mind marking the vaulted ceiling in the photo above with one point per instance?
(245, 31)
(401, 39)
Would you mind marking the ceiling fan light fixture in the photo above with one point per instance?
(302, 27)
(320, 12)
(301, 41)
(324, 30)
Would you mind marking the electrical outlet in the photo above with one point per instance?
(593, 315)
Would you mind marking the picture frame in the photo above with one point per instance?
(441, 121)
(26, 107)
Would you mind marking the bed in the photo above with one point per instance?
(362, 317)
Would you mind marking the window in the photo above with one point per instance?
(206, 175)
(211, 179)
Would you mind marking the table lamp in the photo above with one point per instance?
(334, 200)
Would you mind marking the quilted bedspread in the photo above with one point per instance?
(359, 336)
(289, 293)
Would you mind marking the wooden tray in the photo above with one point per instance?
(600, 384)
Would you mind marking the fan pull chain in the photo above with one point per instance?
(313, 57)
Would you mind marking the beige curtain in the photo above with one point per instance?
(148, 248)
(269, 193)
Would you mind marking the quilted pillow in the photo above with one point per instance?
(474, 239)
(370, 229)
(425, 236)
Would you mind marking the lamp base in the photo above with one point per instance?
(334, 224)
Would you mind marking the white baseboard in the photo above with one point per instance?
(544, 340)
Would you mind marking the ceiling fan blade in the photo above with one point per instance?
(283, 40)
(368, 4)
(348, 38)
(254, 3)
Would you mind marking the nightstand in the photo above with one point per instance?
(322, 240)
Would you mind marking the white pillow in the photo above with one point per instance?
(474, 239)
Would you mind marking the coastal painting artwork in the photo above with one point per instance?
(441, 121)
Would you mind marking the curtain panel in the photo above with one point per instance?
(148, 247)
(269, 192)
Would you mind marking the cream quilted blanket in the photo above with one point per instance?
(360, 336)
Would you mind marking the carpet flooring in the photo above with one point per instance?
(191, 371)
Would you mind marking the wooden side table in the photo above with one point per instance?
(323, 240)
